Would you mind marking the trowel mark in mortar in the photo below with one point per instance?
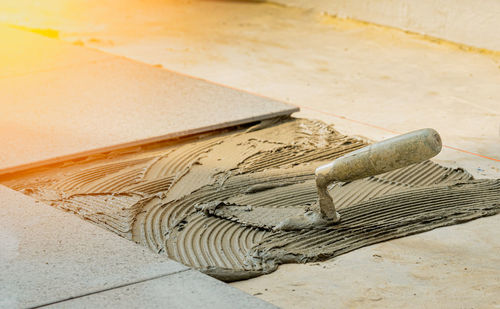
(158, 218)
(86, 191)
(94, 175)
(265, 174)
(213, 243)
(278, 201)
(395, 218)
(168, 224)
(418, 175)
(153, 186)
(295, 155)
(154, 223)
(116, 212)
(167, 215)
(383, 218)
(240, 189)
(176, 163)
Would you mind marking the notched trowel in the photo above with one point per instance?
(382, 157)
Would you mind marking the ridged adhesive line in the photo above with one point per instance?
(211, 202)
(383, 218)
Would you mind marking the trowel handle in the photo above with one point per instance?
(384, 156)
(378, 158)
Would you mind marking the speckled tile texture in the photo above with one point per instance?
(183, 290)
(48, 255)
(61, 101)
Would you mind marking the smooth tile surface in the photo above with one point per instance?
(24, 53)
(47, 255)
(187, 289)
(51, 112)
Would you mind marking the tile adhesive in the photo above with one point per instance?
(213, 201)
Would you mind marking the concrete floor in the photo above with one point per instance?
(369, 81)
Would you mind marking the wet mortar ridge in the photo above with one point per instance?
(212, 202)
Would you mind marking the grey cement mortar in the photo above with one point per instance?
(214, 202)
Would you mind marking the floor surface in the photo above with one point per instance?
(368, 80)
(64, 101)
(50, 257)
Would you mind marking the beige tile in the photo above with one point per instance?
(184, 290)
(83, 108)
(24, 53)
(47, 255)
